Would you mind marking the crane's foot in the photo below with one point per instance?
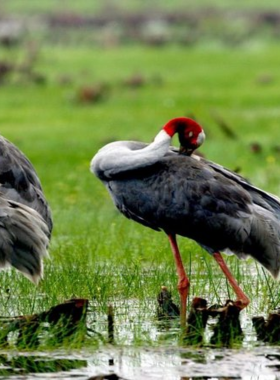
(242, 304)
(183, 288)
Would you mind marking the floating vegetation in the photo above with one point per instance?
(268, 330)
(196, 322)
(166, 307)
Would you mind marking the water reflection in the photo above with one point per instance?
(179, 364)
(22, 364)
(145, 363)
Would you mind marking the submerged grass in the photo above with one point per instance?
(95, 252)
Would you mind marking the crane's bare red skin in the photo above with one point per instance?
(183, 125)
(188, 131)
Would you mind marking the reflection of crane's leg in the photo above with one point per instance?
(183, 283)
(242, 299)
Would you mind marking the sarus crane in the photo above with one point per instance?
(25, 217)
(176, 191)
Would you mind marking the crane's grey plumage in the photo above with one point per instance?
(25, 217)
(195, 198)
(182, 194)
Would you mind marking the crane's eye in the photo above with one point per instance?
(191, 134)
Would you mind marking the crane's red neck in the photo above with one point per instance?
(181, 123)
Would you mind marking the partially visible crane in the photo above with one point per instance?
(25, 216)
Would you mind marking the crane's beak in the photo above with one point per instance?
(186, 151)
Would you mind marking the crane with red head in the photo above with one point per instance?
(175, 191)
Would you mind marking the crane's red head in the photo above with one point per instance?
(191, 134)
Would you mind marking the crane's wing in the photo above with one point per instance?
(260, 197)
(19, 181)
(25, 217)
(201, 200)
(23, 239)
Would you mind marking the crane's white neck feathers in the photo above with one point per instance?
(118, 157)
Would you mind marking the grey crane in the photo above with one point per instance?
(176, 191)
(25, 217)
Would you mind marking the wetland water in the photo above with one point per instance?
(157, 356)
(146, 363)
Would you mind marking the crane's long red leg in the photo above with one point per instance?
(241, 297)
(183, 282)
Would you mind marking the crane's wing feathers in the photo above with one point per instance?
(200, 200)
(25, 217)
(260, 197)
(19, 181)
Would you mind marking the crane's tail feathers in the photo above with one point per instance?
(266, 232)
(23, 239)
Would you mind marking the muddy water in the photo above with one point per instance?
(146, 349)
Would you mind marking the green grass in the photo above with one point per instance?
(29, 7)
(95, 252)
